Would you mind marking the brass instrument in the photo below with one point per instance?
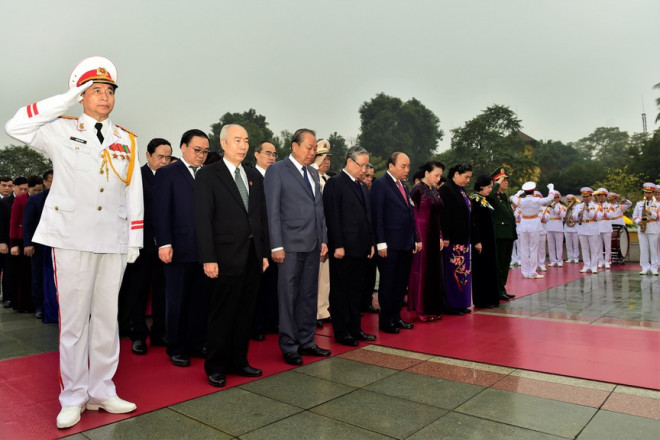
(568, 219)
(581, 215)
(645, 216)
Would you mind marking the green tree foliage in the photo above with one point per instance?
(283, 144)
(558, 162)
(388, 124)
(21, 160)
(490, 140)
(338, 148)
(648, 164)
(254, 123)
(657, 101)
(623, 182)
(607, 145)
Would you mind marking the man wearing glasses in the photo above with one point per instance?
(176, 239)
(265, 155)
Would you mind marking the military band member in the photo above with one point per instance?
(543, 233)
(93, 220)
(570, 231)
(604, 229)
(646, 217)
(530, 226)
(554, 218)
(586, 214)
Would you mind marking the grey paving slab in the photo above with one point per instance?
(79, 436)
(297, 389)
(235, 411)
(454, 426)
(356, 374)
(158, 425)
(26, 321)
(310, 426)
(548, 416)
(11, 348)
(425, 389)
(610, 425)
(387, 415)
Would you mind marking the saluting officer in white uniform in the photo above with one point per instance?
(648, 240)
(604, 229)
(530, 225)
(93, 220)
(554, 217)
(586, 214)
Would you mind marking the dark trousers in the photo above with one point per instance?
(232, 300)
(146, 276)
(297, 288)
(7, 282)
(186, 308)
(37, 269)
(504, 250)
(266, 315)
(369, 283)
(347, 279)
(394, 272)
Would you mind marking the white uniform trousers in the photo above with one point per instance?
(605, 248)
(556, 247)
(648, 251)
(572, 245)
(515, 253)
(589, 246)
(87, 292)
(541, 249)
(528, 247)
(324, 291)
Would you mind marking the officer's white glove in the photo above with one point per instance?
(133, 254)
(74, 95)
(551, 186)
(519, 193)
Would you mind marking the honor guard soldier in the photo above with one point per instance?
(554, 216)
(646, 217)
(604, 229)
(530, 225)
(618, 208)
(93, 220)
(587, 214)
(543, 233)
(570, 231)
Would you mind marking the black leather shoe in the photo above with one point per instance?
(180, 360)
(504, 297)
(466, 311)
(315, 350)
(508, 295)
(326, 320)
(319, 323)
(258, 337)
(139, 347)
(389, 329)
(372, 309)
(157, 341)
(403, 324)
(292, 358)
(217, 380)
(347, 340)
(6, 304)
(248, 371)
(201, 353)
(362, 336)
(455, 312)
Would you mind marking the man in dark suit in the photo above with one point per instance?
(174, 227)
(350, 245)
(232, 236)
(19, 187)
(396, 240)
(505, 228)
(298, 239)
(146, 274)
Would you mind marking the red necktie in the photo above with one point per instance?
(403, 192)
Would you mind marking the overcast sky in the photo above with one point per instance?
(565, 67)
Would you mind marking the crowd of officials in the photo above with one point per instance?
(205, 253)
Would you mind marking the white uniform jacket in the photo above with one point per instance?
(587, 218)
(95, 203)
(554, 216)
(605, 223)
(618, 211)
(652, 224)
(530, 207)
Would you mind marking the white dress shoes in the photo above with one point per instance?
(69, 416)
(113, 405)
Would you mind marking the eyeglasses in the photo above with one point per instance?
(364, 167)
(200, 152)
(270, 154)
(162, 157)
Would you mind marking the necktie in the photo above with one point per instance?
(359, 190)
(403, 192)
(307, 184)
(99, 135)
(194, 170)
(241, 186)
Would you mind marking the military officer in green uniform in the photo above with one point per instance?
(505, 227)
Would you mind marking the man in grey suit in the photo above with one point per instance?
(298, 239)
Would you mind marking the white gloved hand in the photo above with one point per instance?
(132, 254)
(551, 186)
(74, 95)
(519, 193)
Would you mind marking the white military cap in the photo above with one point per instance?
(601, 191)
(529, 187)
(323, 148)
(586, 191)
(96, 69)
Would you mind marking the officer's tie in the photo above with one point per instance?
(99, 135)
(241, 186)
